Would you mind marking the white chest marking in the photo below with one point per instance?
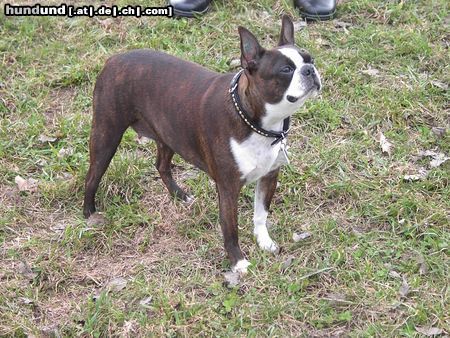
(255, 156)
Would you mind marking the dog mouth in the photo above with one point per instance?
(314, 89)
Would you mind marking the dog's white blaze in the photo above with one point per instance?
(241, 266)
(284, 108)
(295, 88)
(260, 222)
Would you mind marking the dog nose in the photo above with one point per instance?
(317, 83)
(307, 70)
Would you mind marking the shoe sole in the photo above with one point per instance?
(185, 14)
(318, 17)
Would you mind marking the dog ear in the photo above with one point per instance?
(251, 51)
(287, 31)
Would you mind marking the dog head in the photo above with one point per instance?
(283, 77)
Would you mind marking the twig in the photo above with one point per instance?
(315, 273)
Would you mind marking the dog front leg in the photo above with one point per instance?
(228, 207)
(265, 188)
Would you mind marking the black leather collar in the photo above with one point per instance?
(279, 136)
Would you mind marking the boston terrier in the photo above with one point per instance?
(232, 126)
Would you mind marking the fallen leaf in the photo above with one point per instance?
(287, 263)
(65, 176)
(336, 298)
(339, 333)
(438, 131)
(41, 162)
(21, 183)
(44, 138)
(50, 331)
(25, 270)
(342, 24)
(429, 331)
(439, 84)
(231, 279)
(96, 219)
(299, 25)
(142, 140)
(117, 284)
(299, 237)
(426, 153)
(146, 301)
(394, 274)
(423, 268)
(189, 174)
(384, 144)
(106, 23)
(371, 71)
(437, 161)
(59, 227)
(63, 152)
(129, 328)
(404, 289)
(25, 300)
(436, 158)
(412, 178)
(235, 63)
(346, 119)
(416, 177)
(322, 42)
(30, 184)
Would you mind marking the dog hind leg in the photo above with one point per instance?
(102, 147)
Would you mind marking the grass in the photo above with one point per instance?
(371, 231)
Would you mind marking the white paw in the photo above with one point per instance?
(266, 243)
(189, 199)
(241, 266)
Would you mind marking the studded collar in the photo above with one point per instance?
(278, 136)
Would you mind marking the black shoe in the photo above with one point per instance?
(189, 8)
(316, 9)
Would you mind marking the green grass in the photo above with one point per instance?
(370, 228)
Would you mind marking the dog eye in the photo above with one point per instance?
(287, 70)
